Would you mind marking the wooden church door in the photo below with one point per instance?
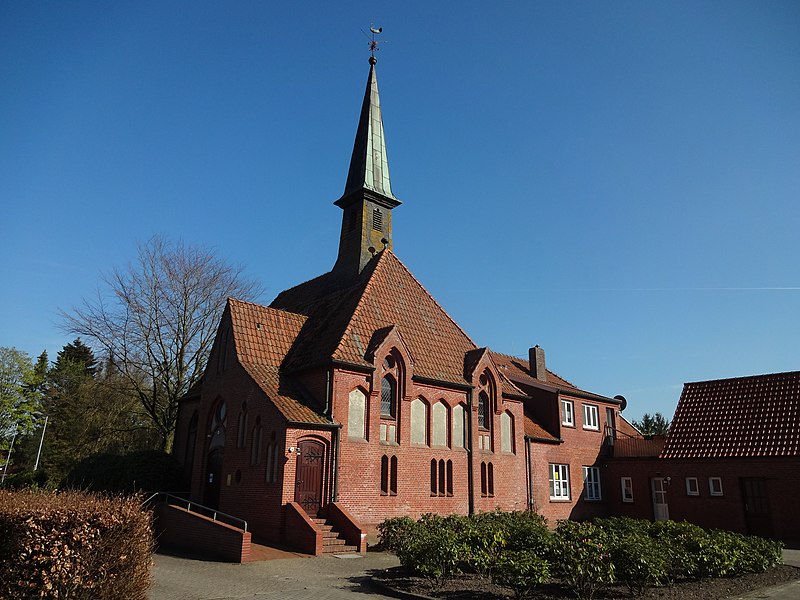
(308, 476)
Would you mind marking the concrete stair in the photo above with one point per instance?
(332, 542)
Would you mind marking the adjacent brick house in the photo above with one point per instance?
(730, 461)
(354, 397)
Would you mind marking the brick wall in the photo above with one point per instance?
(179, 529)
(581, 447)
(723, 512)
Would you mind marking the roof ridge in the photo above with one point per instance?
(527, 360)
(422, 287)
(743, 377)
(265, 307)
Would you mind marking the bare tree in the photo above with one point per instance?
(156, 320)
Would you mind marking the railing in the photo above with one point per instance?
(199, 509)
(623, 445)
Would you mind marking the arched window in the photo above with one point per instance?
(241, 430)
(256, 443)
(419, 421)
(217, 427)
(391, 383)
(439, 424)
(486, 403)
(388, 397)
(459, 426)
(191, 440)
(484, 411)
(506, 432)
(357, 415)
(273, 458)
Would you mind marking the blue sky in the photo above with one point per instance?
(615, 181)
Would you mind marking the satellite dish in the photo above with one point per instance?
(622, 402)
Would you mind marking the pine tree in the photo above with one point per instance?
(652, 424)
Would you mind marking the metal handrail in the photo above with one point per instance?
(193, 506)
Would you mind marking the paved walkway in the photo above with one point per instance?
(323, 578)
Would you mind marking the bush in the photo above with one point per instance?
(638, 561)
(145, 470)
(394, 533)
(521, 570)
(37, 480)
(433, 548)
(73, 545)
(580, 556)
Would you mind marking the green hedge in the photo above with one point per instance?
(145, 470)
(73, 545)
(518, 550)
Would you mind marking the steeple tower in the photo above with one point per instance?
(367, 201)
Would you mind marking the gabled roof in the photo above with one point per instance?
(343, 318)
(262, 337)
(518, 371)
(744, 416)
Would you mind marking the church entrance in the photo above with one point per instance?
(308, 476)
(213, 477)
(216, 454)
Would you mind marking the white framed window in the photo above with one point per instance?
(590, 420)
(591, 483)
(715, 486)
(568, 413)
(559, 482)
(692, 487)
(627, 489)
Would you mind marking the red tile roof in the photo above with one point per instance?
(343, 317)
(535, 430)
(744, 416)
(262, 337)
(518, 371)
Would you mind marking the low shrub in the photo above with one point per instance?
(581, 558)
(394, 533)
(638, 560)
(73, 545)
(521, 570)
(433, 548)
(37, 480)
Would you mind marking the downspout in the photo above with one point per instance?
(528, 473)
(334, 434)
(470, 461)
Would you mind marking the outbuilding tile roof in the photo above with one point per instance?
(739, 417)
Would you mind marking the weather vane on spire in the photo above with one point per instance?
(373, 44)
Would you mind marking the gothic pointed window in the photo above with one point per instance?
(391, 382)
(388, 397)
(487, 401)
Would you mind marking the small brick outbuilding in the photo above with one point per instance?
(731, 460)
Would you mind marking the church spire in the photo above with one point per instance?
(368, 200)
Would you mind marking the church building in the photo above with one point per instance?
(354, 397)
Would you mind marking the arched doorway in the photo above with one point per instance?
(308, 476)
(216, 455)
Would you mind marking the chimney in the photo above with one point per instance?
(536, 359)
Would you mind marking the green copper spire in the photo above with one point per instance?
(369, 165)
(368, 200)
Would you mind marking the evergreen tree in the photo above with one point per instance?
(652, 424)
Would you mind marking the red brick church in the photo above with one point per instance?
(354, 397)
